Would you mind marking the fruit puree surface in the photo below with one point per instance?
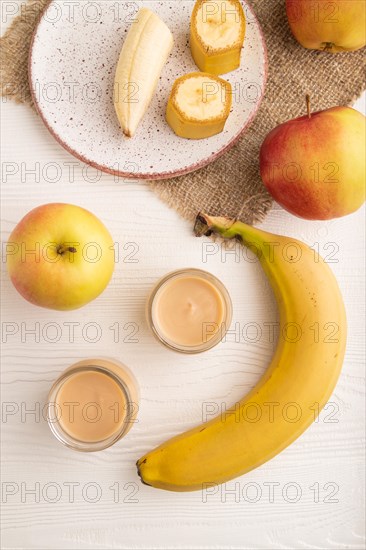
(92, 405)
(188, 310)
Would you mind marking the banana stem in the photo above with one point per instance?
(231, 229)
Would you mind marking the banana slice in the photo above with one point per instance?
(199, 105)
(217, 35)
(143, 56)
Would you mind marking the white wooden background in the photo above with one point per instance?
(316, 500)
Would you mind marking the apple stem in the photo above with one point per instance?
(61, 249)
(308, 105)
(328, 46)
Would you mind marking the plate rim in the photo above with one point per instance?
(152, 176)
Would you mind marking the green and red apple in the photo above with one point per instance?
(336, 26)
(60, 256)
(314, 166)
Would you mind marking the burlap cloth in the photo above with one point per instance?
(231, 185)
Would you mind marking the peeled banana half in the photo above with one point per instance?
(142, 58)
(296, 386)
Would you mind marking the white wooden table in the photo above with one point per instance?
(310, 496)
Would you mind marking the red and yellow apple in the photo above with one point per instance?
(336, 26)
(60, 256)
(314, 166)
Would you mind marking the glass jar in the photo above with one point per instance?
(92, 404)
(189, 310)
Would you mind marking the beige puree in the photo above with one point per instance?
(188, 310)
(96, 400)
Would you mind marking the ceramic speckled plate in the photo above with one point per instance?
(72, 63)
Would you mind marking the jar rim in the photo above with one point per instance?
(225, 323)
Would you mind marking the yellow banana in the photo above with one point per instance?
(295, 387)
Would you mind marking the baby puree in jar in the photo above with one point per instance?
(94, 403)
(189, 310)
